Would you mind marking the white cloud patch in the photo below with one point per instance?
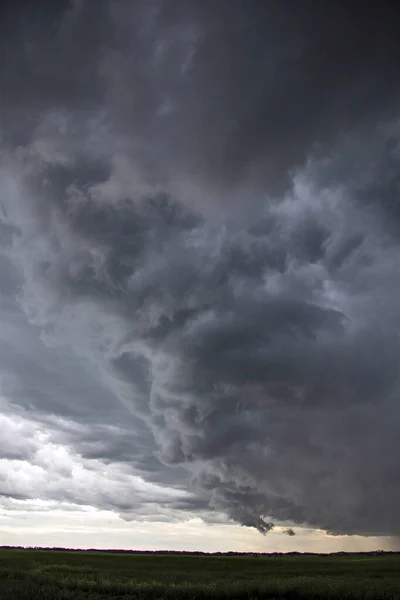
(35, 466)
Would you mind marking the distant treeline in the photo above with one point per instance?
(199, 553)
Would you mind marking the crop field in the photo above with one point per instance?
(52, 575)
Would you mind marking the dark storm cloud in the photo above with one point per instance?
(239, 91)
(200, 216)
(212, 93)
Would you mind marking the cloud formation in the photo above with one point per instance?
(201, 247)
(38, 463)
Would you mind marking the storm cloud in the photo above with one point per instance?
(201, 258)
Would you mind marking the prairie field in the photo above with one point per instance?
(68, 575)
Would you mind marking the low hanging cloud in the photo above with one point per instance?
(37, 463)
(208, 259)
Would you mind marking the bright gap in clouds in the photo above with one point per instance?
(200, 275)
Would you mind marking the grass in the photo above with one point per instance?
(57, 575)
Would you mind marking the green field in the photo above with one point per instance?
(49, 575)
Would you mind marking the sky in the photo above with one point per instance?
(200, 275)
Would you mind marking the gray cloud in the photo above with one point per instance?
(201, 256)
(207, 98)
(290, 532)
(49, 470)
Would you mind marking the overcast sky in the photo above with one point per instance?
(200, 274)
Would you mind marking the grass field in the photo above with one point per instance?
(51, 575)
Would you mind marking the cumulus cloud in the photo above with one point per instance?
(38, 464)
(201, 254)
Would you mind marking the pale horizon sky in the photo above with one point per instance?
(91, 528)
